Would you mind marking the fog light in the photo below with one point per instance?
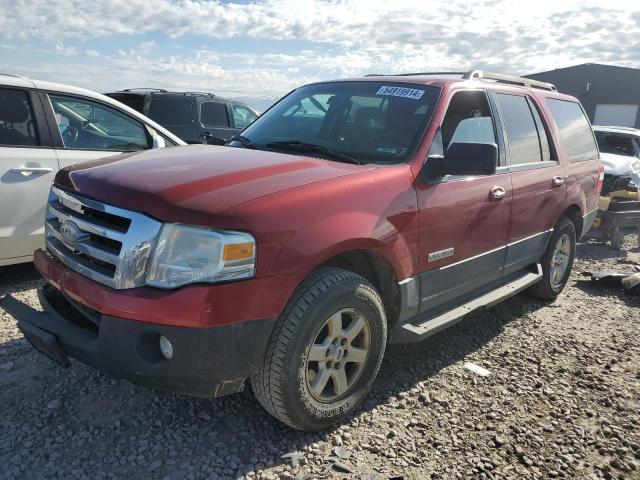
(166, 347)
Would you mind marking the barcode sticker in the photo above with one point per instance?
(400, 92)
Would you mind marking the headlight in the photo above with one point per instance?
(191, 254)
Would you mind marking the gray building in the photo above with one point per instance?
(610, 95)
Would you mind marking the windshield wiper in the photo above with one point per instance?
(244, 141)
(298, 146)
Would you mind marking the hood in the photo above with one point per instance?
(191, 184)
(621, 166)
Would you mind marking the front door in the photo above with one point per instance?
(463, 220)
(215, 122)
(27, 167)
(88, 130)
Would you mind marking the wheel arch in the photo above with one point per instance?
(574, 213)
(374, 267)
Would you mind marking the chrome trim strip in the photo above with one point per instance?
(494, 250)
(530, 237)
(472, 258)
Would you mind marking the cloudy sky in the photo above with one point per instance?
(262, 49)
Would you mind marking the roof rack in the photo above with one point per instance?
(147, 89)
(509, 79)
(200, 93)
(481, 75)
(413, 74)
(11, 75)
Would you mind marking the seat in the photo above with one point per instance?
(369, 124)
(13, 109)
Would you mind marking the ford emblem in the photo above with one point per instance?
(71, 233)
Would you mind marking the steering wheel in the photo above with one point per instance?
(70, 136)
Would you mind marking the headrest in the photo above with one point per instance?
(13, 109)
(370, 118)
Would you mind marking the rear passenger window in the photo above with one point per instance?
(522, 132)
(214, 114)
(171, 110)
(17, 126)
(575, 130)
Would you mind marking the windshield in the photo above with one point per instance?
(616, 144)
(368, 121)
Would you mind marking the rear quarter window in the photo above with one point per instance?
(575, 130)
(171, 110)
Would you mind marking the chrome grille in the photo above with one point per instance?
(107, 244)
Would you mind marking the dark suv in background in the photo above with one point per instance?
(195, 117)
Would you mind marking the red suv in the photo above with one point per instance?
(351, 214)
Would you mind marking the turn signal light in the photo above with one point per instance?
(238, 251)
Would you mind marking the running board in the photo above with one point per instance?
(409, 332)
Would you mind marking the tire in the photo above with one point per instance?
(550, 286)
(284, 382)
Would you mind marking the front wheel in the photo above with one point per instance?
(325, 351)
(557, 261)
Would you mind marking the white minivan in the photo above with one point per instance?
(47, 126)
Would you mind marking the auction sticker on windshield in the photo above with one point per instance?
(400, 92)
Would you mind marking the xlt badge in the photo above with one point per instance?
(440, 254)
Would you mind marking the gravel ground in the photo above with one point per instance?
(562, 400)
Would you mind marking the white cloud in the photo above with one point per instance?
(324, 39)
(62, 50)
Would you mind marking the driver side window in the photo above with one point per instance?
(87, 125)
(468, 120)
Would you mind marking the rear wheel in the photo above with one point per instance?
(557, 261)
(325, 351)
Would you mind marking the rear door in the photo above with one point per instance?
(538, 179)
(215, 121)
(463, 219)
(85, 129)
(580, 151)
(27, 166)
(177, 113)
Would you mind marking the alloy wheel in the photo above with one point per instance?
(337, 355)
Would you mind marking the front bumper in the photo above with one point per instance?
(207, 362)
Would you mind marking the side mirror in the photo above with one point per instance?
(158, 141)
(471, 159)
(464, 158)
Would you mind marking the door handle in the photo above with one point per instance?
(557, 181)
(497, 193)
(32, 170)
